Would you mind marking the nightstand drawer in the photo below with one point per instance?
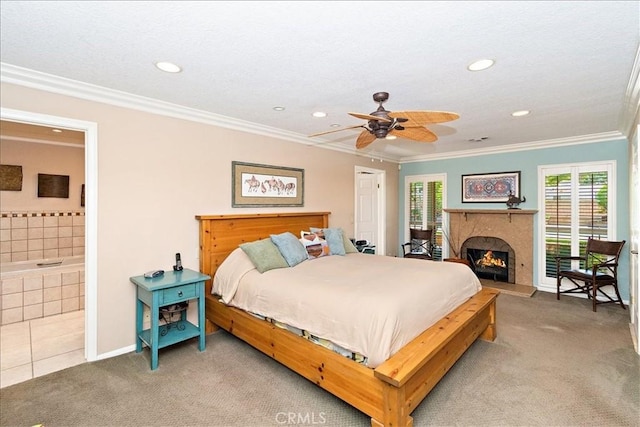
(179, 293)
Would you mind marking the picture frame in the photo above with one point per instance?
(53, 186)
(10, 178)
(257, 185)
(490, 187)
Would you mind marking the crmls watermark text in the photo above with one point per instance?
(300, 418)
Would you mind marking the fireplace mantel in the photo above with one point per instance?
(493, 211)
(514, 226)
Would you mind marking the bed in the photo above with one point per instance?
(387, 393)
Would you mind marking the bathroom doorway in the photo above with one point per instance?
(88, 132)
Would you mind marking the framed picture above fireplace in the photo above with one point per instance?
(490, 187)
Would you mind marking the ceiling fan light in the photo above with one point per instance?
(480, 65)
(390, 137)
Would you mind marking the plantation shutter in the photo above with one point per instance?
(432, 213)
(416, 204)
(558, 219)
(576, 202)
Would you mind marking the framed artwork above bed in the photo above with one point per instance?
(255, 185)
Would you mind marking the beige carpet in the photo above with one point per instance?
(553, 364)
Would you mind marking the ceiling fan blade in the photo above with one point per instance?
(420, 134)
(421, 118)
(369, 117)
(334, 130)
(364, 139)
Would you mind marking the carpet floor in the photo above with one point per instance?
(554, 363)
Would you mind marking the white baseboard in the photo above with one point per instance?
(117, 352)
(552, 289)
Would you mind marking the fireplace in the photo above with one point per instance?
(514, 227)
(491, 258)
(489, 264)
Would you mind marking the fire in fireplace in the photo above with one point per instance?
(490, 264)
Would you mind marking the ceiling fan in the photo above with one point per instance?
(402, 124)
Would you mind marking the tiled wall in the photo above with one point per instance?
(40, 235)
(34, 295)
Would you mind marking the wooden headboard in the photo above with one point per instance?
(221, 234)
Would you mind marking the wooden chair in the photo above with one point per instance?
(598, 268)
(419, 244)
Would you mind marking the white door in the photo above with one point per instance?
(369, 207)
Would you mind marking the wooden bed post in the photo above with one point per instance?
(490, 333)
(396, 410)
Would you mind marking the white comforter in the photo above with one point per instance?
(369, 304)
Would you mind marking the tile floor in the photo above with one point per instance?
(40, 346)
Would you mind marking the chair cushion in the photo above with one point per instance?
(418, 255)
(582, 274)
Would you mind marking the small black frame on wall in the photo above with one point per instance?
(53, 186)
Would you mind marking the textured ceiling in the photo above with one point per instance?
(573, 64)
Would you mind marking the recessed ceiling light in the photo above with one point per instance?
(480, 65)
(168, 67)
(56, 130)
(520, 113)
(319, 114)
(278, 108)
(334, 125)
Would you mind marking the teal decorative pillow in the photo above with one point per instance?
(290, 247)
(333, 236)
(264, 255)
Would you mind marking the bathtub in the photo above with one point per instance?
(41, 288)
(41, 265)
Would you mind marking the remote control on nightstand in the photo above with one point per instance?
(153, 274)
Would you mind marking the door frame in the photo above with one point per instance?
(381, 179)
(90, 130)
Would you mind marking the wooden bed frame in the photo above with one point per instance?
(388, 393)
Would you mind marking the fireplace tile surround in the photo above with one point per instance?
(514, 226)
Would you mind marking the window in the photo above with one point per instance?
(424, 207)
(577, 203)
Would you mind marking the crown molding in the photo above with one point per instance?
(525, 146)
(631, 106)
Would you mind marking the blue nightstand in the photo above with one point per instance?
(171, 288)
